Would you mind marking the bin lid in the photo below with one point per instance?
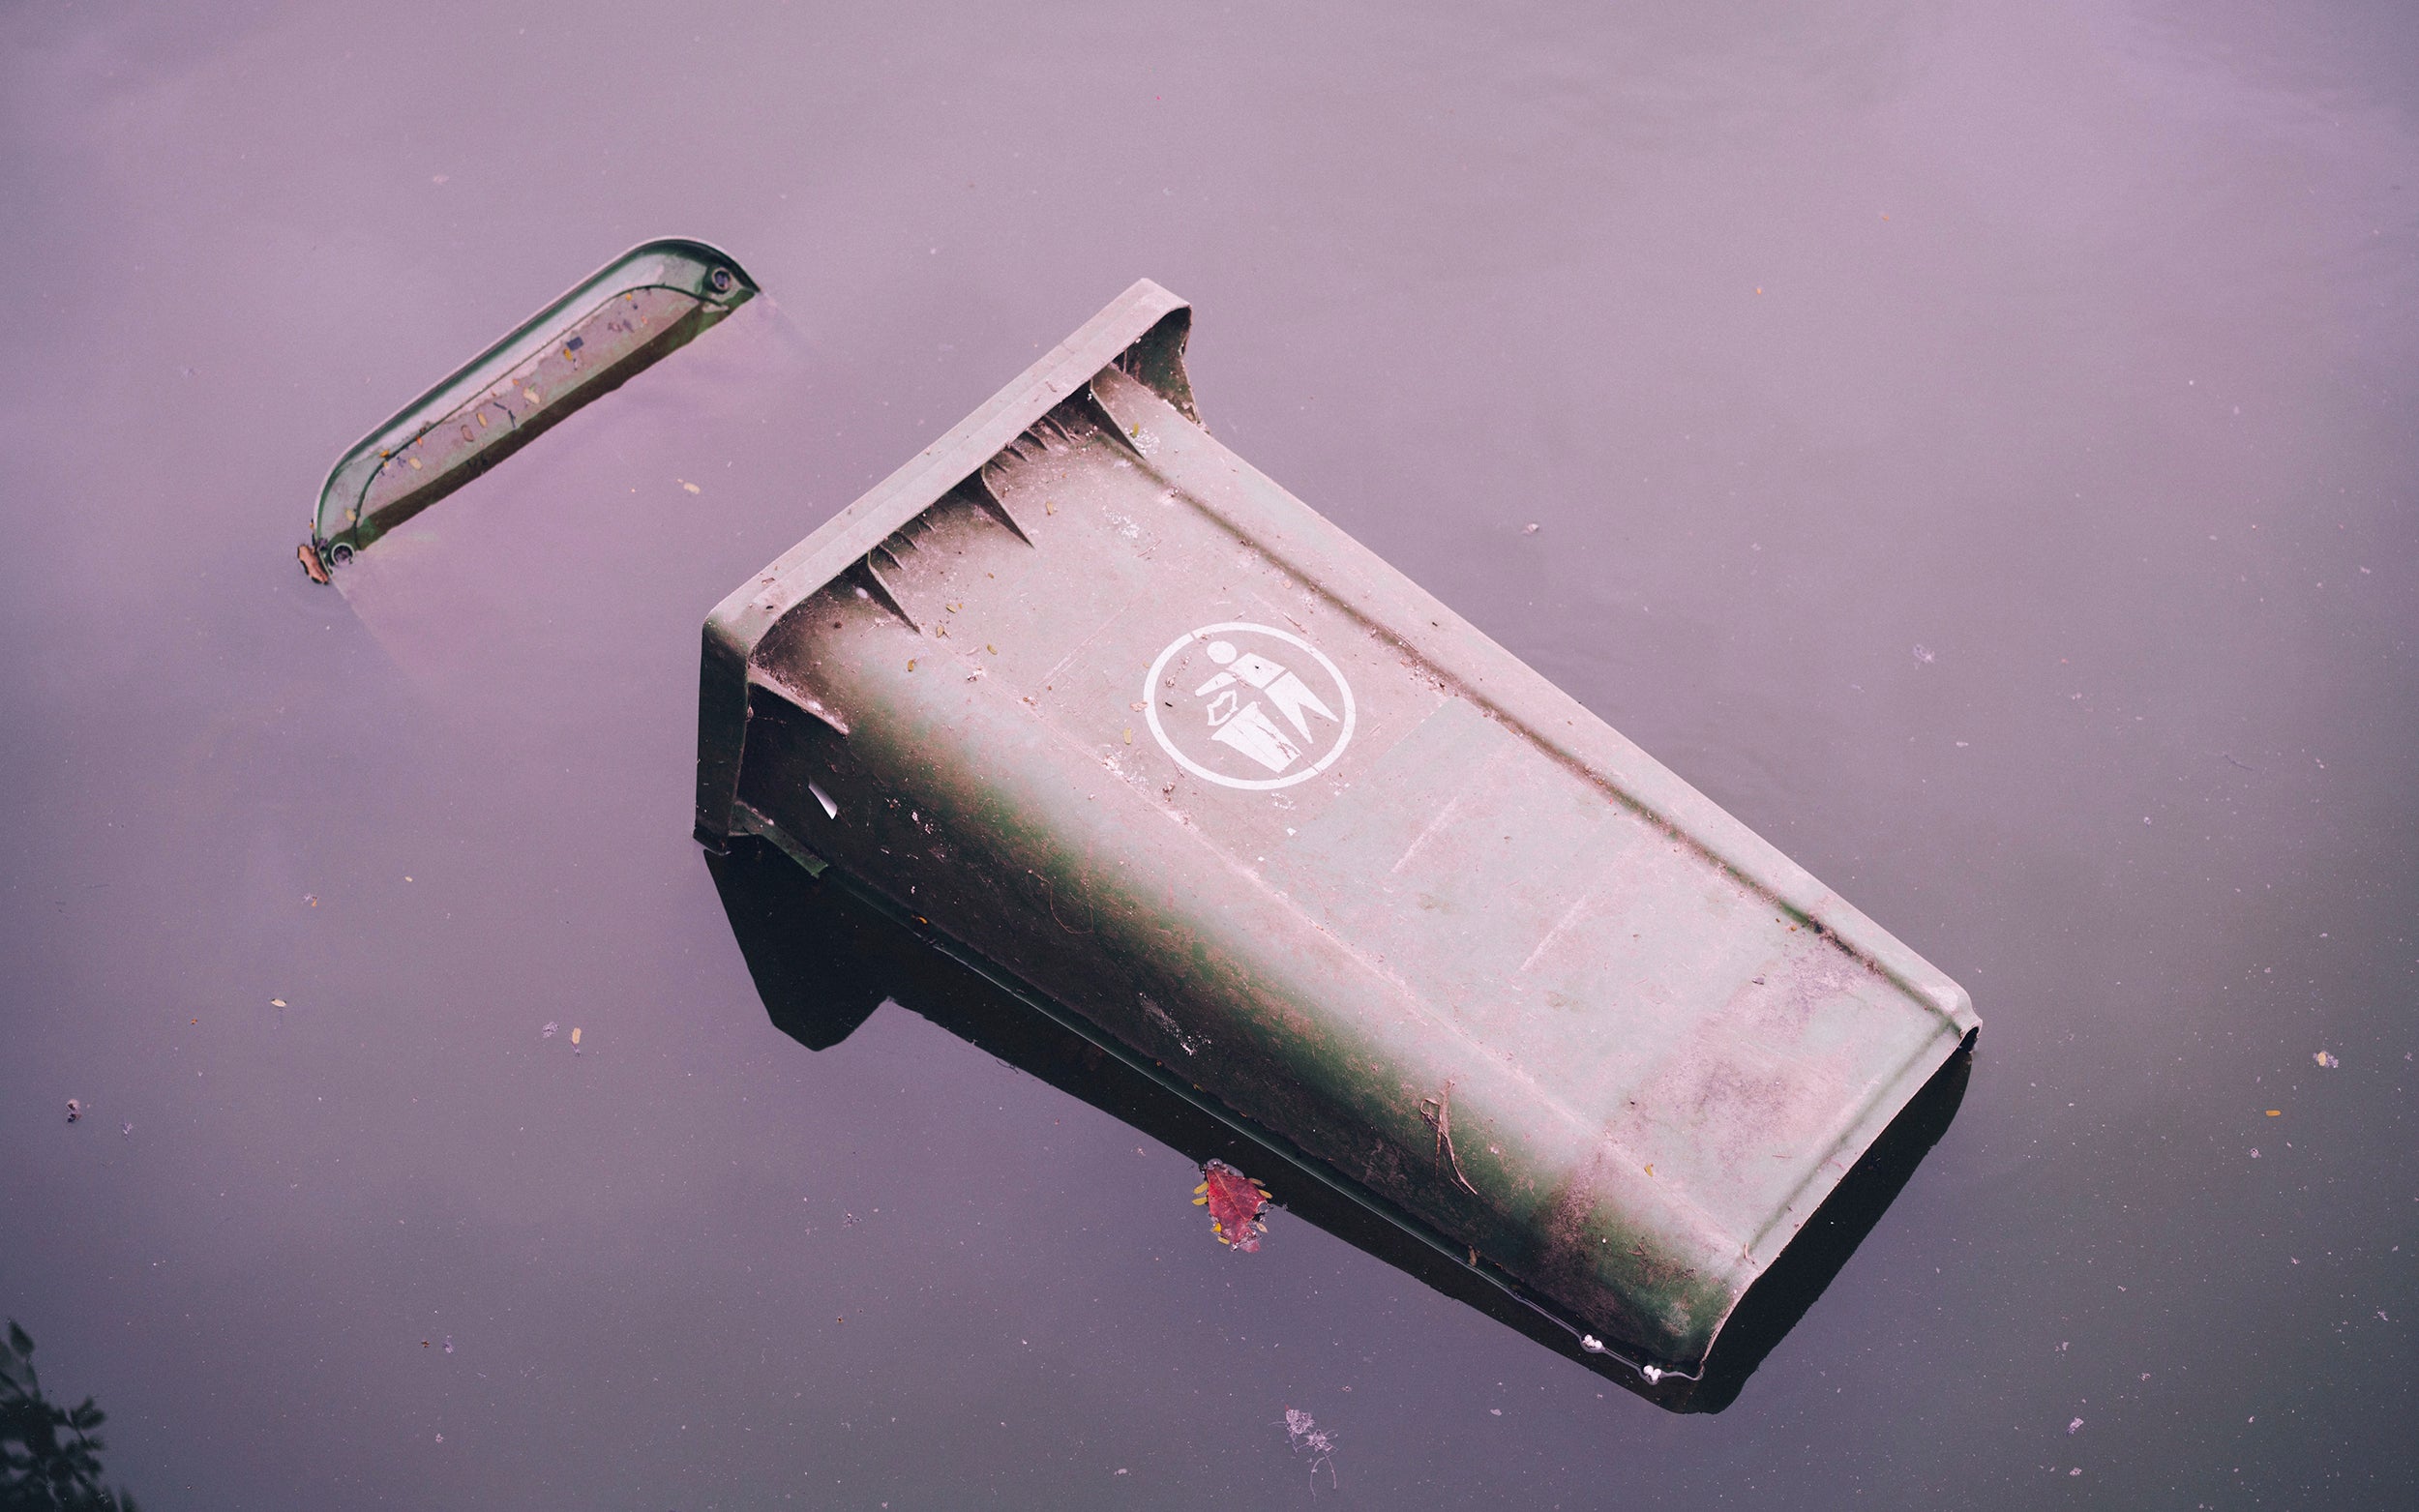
(1146, 738)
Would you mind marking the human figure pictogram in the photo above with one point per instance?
(1246, 727)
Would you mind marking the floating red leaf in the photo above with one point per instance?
(1235, 1202)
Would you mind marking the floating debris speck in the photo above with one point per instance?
(1303, 1433)
(1236, 1202)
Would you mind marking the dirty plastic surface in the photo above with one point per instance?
(1145, 733)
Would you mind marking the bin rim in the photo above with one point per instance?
(740, 623)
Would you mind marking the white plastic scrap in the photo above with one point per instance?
(1303, 1433)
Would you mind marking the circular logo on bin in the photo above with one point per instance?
(1249, 706)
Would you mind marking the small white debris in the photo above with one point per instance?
(2073, 1426)
(1302, 1432)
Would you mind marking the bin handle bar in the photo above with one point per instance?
(607, 328)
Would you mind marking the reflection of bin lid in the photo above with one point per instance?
(1136, 728)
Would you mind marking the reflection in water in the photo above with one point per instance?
(49, 1457)
(824, 958)
(522, 555)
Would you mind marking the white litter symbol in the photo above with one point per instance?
(1247, 729)
(1265, 711)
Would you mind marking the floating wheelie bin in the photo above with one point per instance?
(1113, 719)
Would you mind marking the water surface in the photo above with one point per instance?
(1974, 447)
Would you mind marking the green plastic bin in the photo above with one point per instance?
(1118, 722)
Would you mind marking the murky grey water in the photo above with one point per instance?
(1976, 448)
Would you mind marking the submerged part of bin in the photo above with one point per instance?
(1120, 723)
(636, 309)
